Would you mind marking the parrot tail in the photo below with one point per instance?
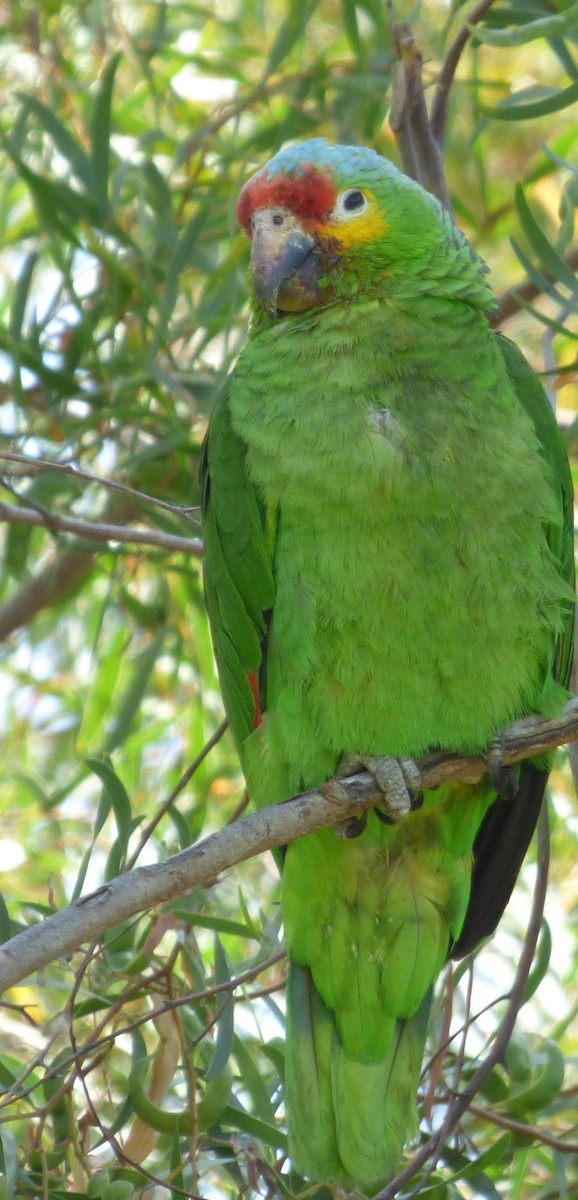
(348, 1120)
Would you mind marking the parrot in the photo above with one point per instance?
(387, 514)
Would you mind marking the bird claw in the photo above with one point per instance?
(398, 780)
(503, 778)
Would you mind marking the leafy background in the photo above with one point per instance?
(151, 1064)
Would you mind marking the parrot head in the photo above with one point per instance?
(330, 222)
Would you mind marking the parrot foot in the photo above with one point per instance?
(503, 778)
(398, 779)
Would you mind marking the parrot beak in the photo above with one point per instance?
(286, 263)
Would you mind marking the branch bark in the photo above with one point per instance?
(409, 120)
(420, 135)
(140, 889)
(99, 531)
(439, 112)
(64, 573)
(32, 466)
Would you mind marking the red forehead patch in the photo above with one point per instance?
(311, 195)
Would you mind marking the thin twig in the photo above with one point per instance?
(532, 1131)
(36, 465)
(439, 112)
(178, 788)
(409, 118)
(99, 531)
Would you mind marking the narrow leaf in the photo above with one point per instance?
(102, 690)
(290, 32)
(549, 257)
(351, 27)
(20, 295)
(521, 111)
(64, 141)
(226, 1021)
(116, 793)
(238, 1118)
(131, 699)
(552, 26)
(5, 928)
(9, 1154)
(100, 137)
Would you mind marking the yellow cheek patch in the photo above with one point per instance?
(369, 226)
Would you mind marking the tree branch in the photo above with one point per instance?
(439, 110)
(36, 465)
(144, 887)
(64, 573)
(98, 531)
(409, 120)
(420, 136)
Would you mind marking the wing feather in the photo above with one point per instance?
(239, 586)
(505, 833)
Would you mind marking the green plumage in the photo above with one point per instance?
(389, 557)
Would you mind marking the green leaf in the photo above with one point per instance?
(252, 1081)
(5, 926)
(100, 138)
(25, 354)
(537, 1067)
(552, 26)
(10, 1160)
(117, 795)
(521, 110)
(238, 1118)
(290, 31)
(98, 703)
(549, 257)
(176, 1166)
(475, 1171)
(543, 283)
(541, 963)
(179, 259)
(140, 672)
(226, 1019)
(348, 8)
(57, 204)
(207, 921)
(20, 295)
(247, 916)
(63, 139)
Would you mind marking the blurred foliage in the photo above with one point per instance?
(126, 132)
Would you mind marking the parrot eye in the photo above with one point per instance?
(351, 203)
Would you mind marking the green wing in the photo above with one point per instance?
(533, 398)
(239, 586)
(505, 833)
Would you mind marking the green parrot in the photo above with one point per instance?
(388, 535)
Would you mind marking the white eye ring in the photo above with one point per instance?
(351, 203)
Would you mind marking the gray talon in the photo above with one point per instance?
(503, 778)
(354, 827)
(398, 779)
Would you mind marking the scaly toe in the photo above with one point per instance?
(503, 778)
(398, 779)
